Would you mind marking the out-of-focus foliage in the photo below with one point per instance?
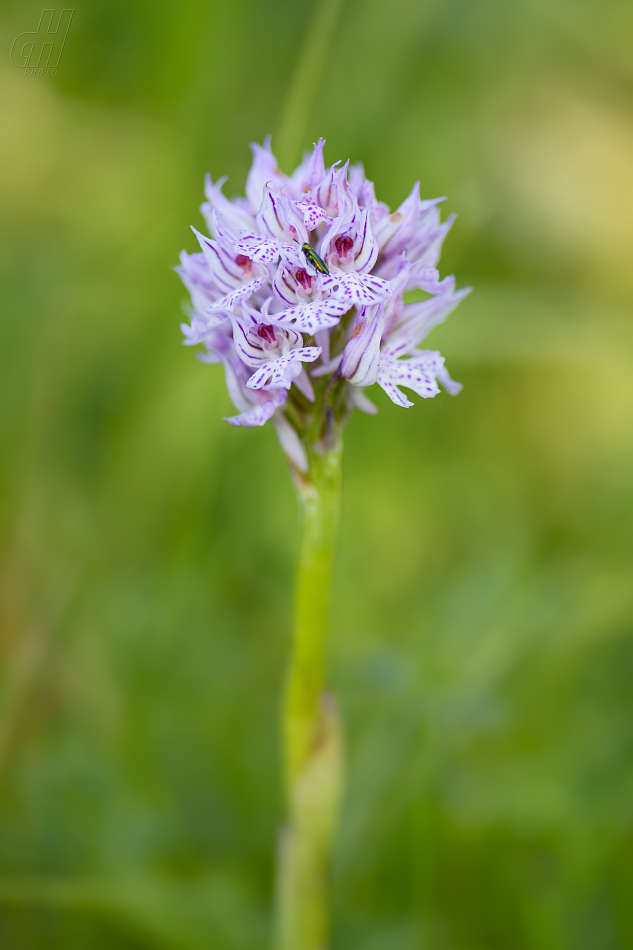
(482, 636)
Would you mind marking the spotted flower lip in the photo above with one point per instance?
(255, 294)
(310, 307)
(275, 352)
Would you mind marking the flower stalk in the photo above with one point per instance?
(311, 729)
(309, 291)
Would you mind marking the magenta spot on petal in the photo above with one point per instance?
(343, 245)
(267, 333)
(304, 279)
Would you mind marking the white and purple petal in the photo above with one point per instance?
(424, 277)
(235, 214)
(324, 194)
(330, 367)
(253, 263)
(356, 289)
(278, 219)
(281, 372)
(290, 442)
(418, 319)
(229, 302)
(220, 259)
(251, 352)
(201, 330)
(361, 356)
(263, 171)
(450, 385)
(350, 242)
(393, 232)
(259, 249)
(313, 216)
(311, 171)
(197, 278)
(257, 416)
(420, 373)
(312, 317)
(426, 242)
(387, 384)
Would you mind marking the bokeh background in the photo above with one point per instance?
(482, 632)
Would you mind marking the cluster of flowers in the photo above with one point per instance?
(309, 272)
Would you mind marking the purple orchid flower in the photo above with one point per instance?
(255, 293)
(275, 352)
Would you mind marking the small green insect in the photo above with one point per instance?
(314, 259)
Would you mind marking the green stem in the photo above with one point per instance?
(312, 740)
(304, 82)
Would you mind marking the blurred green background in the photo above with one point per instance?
(482, 634)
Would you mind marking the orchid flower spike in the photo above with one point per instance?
(301, 293)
